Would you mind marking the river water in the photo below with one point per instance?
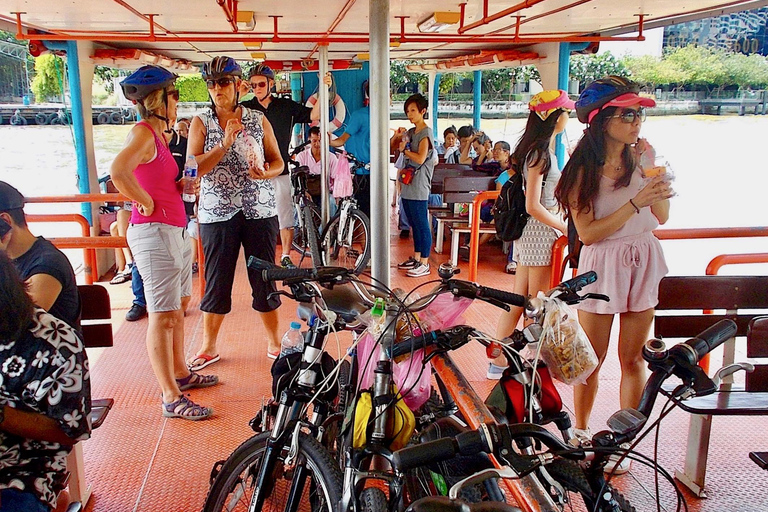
(718, 162)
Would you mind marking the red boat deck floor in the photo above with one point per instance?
(139, 461)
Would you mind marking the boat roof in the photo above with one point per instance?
(292, 30)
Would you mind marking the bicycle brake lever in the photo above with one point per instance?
(596, 296)
(281, 292)
(497, 303)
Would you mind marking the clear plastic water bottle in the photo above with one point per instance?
(293, 341)
(378, 318)
(190, 175)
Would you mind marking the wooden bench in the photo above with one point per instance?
(734, 295)
(461, 189)
(96, 317)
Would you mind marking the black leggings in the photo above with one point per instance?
(221, 246)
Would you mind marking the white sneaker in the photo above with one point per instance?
(421, 269)
(613, 465)
(582, 437)
(408, 264)
(495, 372)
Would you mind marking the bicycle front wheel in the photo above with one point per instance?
(312, 471)
(352, 247)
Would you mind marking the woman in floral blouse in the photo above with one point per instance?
(45, 398)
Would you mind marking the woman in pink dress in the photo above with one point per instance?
(615, 211)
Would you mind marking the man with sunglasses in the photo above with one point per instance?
(282, 114)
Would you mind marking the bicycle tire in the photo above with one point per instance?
(354, 256)
(300, 244)
(373, 499)
(312, 242)
(235, 478)
(569, 474)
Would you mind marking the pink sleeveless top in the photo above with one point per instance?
(609, 200)
(158, 178)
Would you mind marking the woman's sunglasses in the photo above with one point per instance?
(629, 115)
(173, 94)
(222, 82)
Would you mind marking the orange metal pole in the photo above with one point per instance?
(501, 14)
(734, 259)
(695, 233)
(207, 37)
(714, 267)
(474, 233)
(89, 255)
(91, 242)
(558, 261)
(228, 14)
(78, 198)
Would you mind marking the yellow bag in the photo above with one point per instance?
(400, 425)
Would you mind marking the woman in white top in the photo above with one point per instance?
(548, 117)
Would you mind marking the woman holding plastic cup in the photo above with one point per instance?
(615, 209)
(237, 156)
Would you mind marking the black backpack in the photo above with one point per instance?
(509, 213)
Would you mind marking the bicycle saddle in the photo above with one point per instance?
(342, 300)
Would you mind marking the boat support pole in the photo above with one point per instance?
(477, 89)
(79, 117)
(434, 87)
(378, 22)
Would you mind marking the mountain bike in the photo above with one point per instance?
(345, 241)
(586, 463)
(285, 465)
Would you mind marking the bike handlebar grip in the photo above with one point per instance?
(577, 283)
(500, 295)
(281, 274)
(425, 453)
(471, 443)
(413, 344)
(712, 337)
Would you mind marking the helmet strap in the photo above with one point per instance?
(167, 121)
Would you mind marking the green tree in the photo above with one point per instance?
(192, 88)
(588, 68)
(104, 76)
(498, 82)
(703, 67)
(48, 71)
(746, 71)
(654, 72)
(400, 76)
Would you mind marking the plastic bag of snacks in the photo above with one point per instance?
(564, 345)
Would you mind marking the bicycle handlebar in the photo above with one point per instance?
(709, 339)
(271, 272)
(298, 149)
(499, 439)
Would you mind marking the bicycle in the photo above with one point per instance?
(345, 241)
(285, 464)
(587, 462)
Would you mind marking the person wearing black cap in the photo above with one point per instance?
(49, 276)
(282, 114)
